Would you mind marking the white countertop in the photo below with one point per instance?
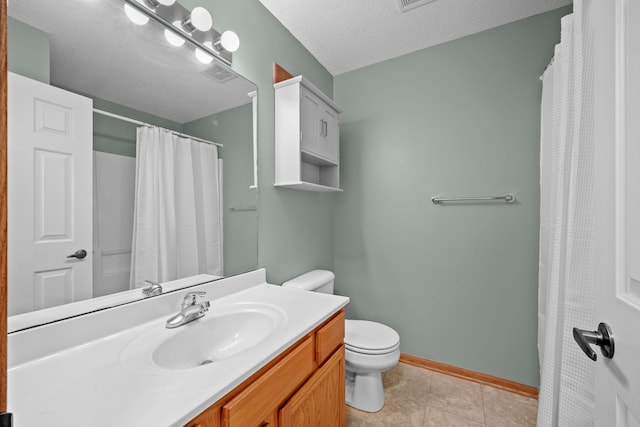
(88, 384)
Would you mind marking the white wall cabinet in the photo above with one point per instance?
(307, 137)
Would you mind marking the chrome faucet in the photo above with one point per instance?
(191, 310)
(153, 289)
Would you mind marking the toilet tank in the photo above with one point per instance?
(315, 281)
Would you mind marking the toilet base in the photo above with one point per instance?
(364, 391)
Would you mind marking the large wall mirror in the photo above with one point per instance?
(130, 159)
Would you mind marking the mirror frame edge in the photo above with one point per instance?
(3, 208)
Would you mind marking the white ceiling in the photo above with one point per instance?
(345, 35)
(97, 51)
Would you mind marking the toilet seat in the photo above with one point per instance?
(365, 337)
(372, 352)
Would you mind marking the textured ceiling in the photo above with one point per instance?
(97, 51)
(347, 35)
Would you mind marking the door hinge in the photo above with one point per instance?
(6, 420)
(300, 136)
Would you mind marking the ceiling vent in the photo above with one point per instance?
(406, 5)
(219, 73)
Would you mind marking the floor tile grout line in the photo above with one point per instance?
(484, 409)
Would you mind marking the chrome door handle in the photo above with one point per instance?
(603, 338)
(79, 254)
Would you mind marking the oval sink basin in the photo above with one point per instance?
(222, 333)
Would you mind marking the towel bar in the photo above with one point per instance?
(509, 198)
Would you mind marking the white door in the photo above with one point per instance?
(50, 201)
(616, 31)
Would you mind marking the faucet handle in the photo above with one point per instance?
(191, 298)
(153, 288)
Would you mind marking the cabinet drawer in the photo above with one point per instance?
(255, 404)
(329, 337)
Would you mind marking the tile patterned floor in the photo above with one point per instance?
(416, 397)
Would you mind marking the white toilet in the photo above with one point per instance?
(370, 348)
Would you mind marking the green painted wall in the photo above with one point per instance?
(295, 227)
(27, 51)
(458, 282)
(233, 129)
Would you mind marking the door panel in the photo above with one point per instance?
(624, 416)
(310, 121)
(53, 205)
(616, 31)
(50, 195)
(330, 137)
(53, 287)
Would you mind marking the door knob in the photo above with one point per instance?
(79, 254)
(603, 338)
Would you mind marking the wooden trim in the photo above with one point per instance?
(3, 208)
(470, 375)
(280, 74)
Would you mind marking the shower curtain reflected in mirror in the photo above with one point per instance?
(177, 230)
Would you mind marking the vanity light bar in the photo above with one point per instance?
(166, 15)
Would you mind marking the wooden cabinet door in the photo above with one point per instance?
(254, 405)
(209, 418)
(320, 401)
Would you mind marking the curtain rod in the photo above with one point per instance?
(138, 122)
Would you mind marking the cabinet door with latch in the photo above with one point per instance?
(320, 401)
(310, 125)
(329, 134)
(255, 405)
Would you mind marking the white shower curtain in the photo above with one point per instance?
(177, 229)
(566, 273)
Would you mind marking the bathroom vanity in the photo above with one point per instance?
(304, 386)
(262, 355)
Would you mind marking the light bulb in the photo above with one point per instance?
(198, 19)
(229, 41)
(135, 15)
(173, 38)
(204, 57)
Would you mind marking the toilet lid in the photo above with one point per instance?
(363, 336)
